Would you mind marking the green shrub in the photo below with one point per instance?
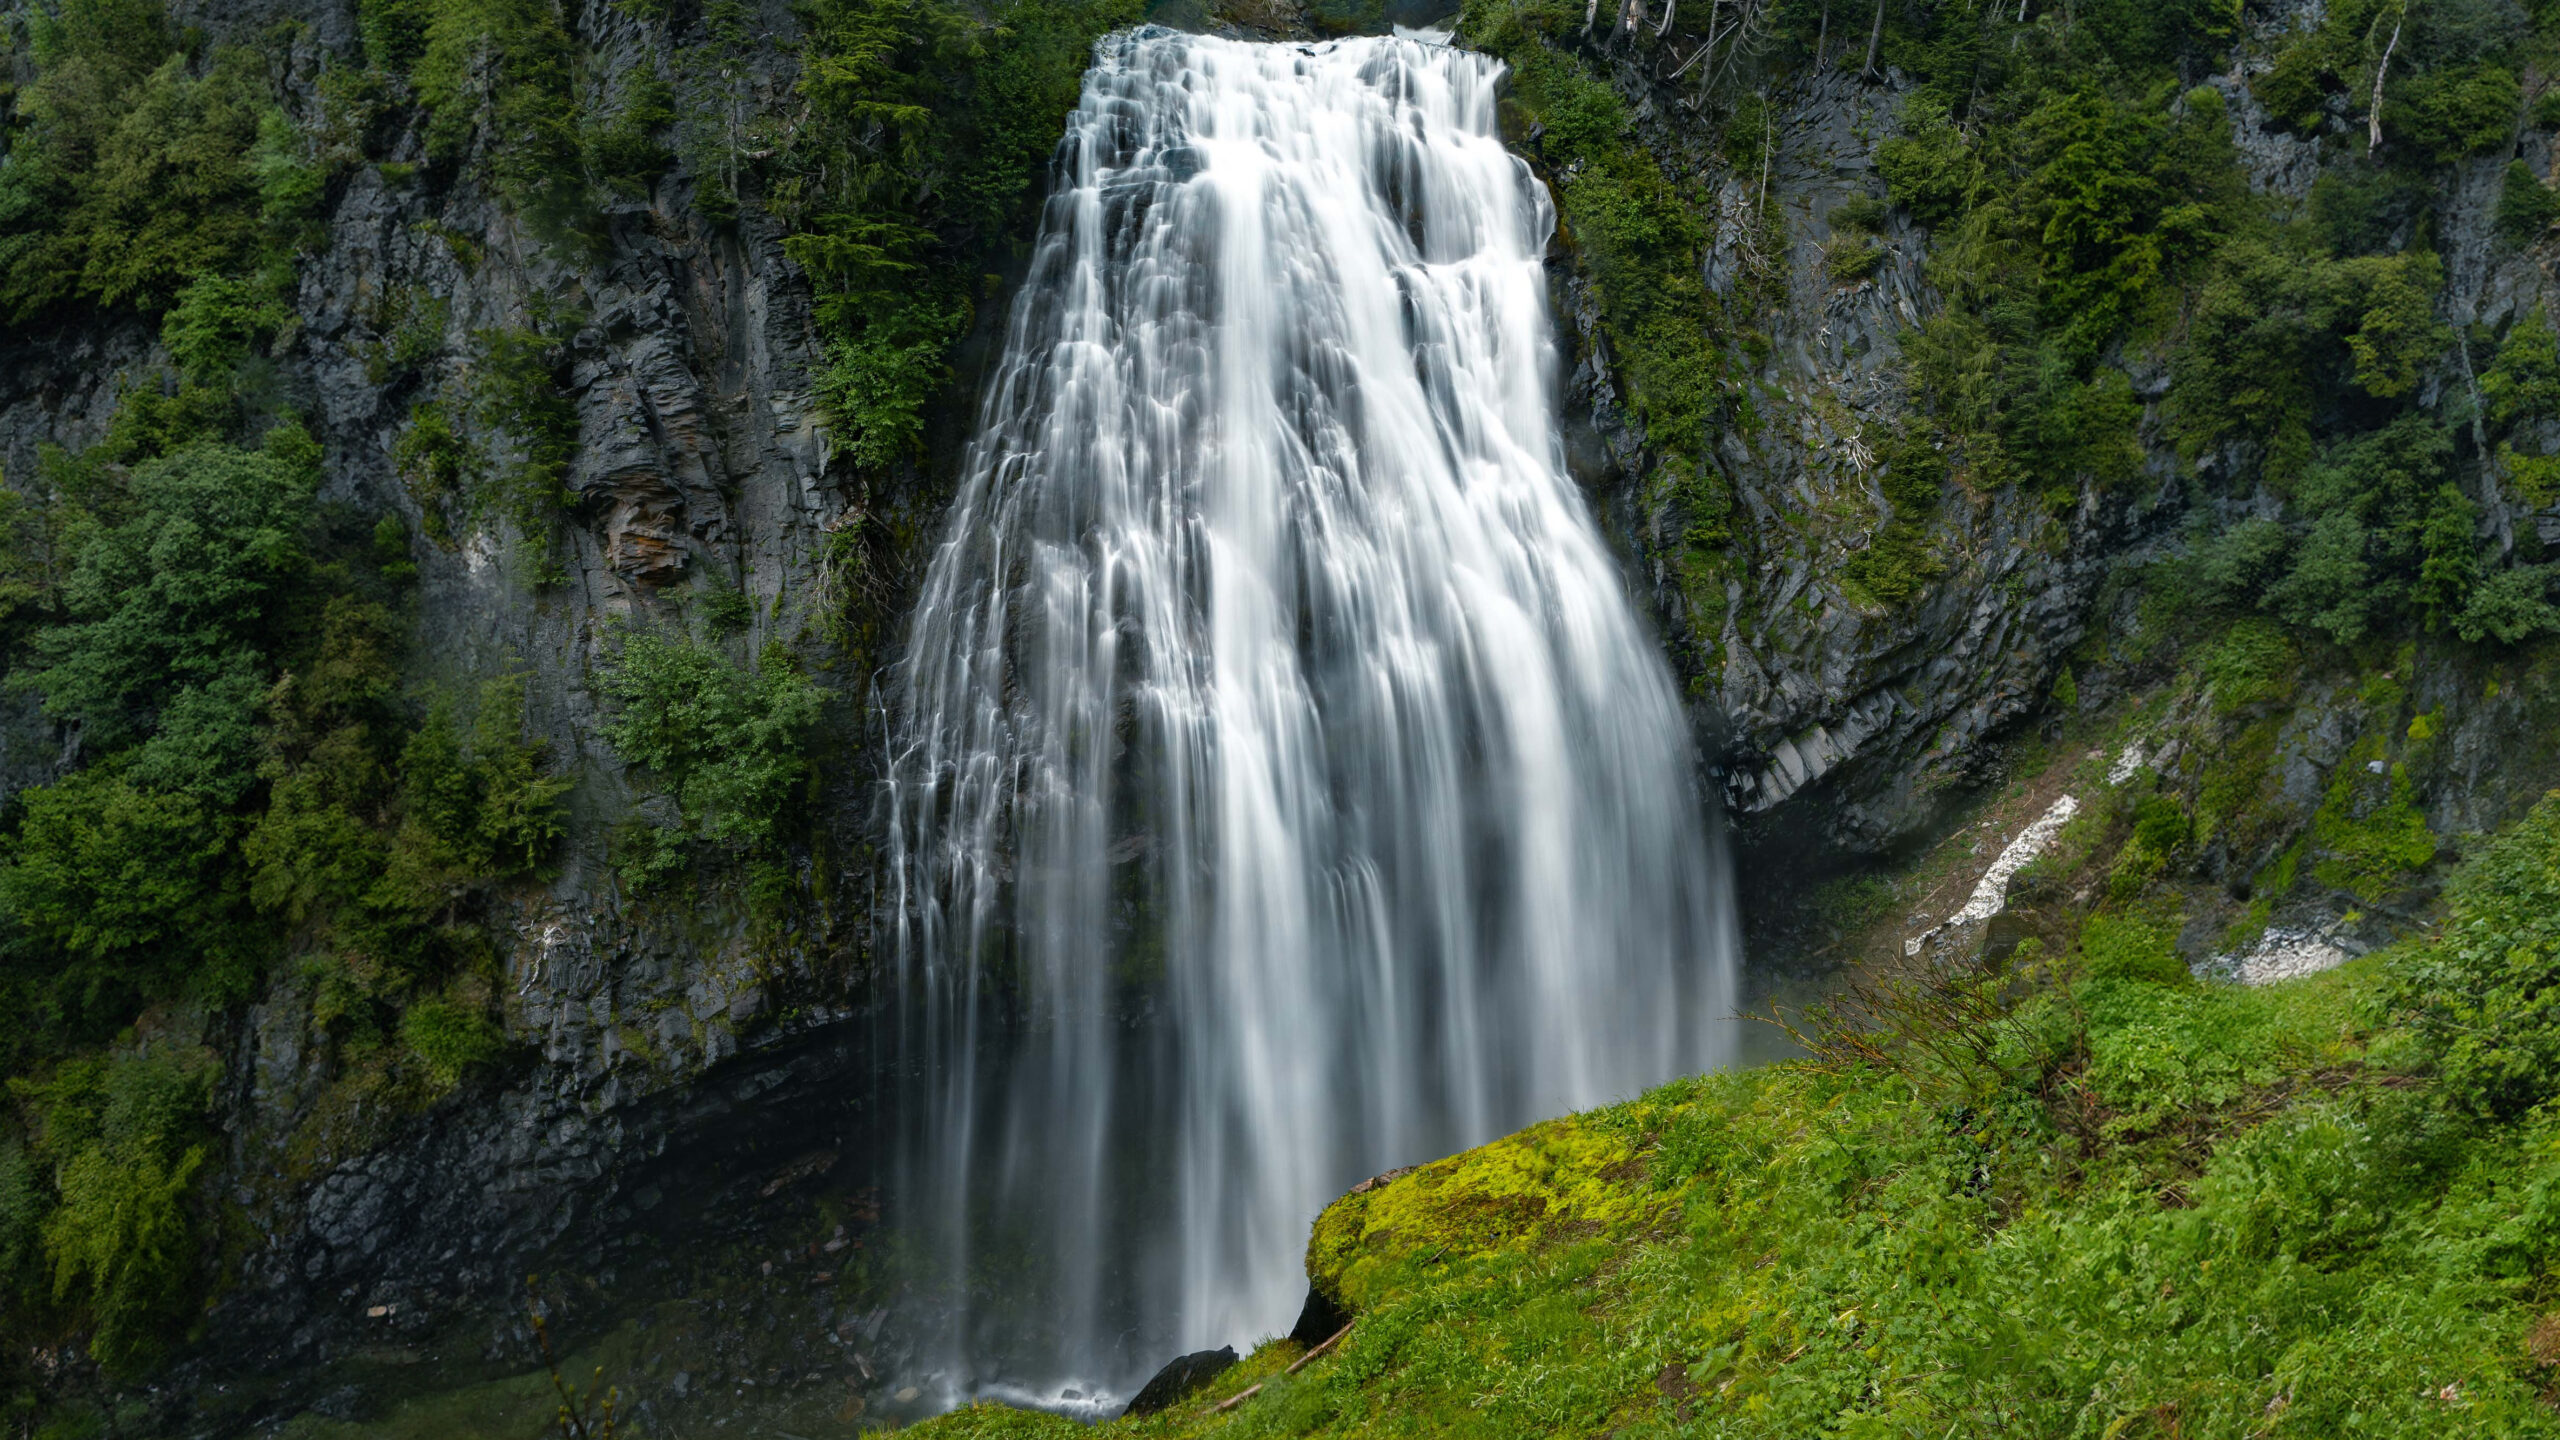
(923, 134)
(729, 743)
(2454, 112)
(1852, 261)
(121, 1244)
(122, 1134)
(433, 464)
(2130, 946)
(2526, 206)
(1929, 169)
(2253, 663)
(1896, 565)
(2484, 996)
(1864, 214)
(496, 78)
(129, 176)
(2162, 1048)
(517, 391)
(449, 1038)
(2160, 824)
(626, 152)
(175, 594)
(2523, 383)
(2388, 538)
(215, 324)
(2369, 834)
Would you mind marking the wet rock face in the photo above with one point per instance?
(1837, 727)
(1831, 720)
(700, 460)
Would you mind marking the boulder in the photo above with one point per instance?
(1177, 1380)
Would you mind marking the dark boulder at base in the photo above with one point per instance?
(1320, 1320)
(1180, 1378)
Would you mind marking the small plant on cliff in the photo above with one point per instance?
(728, 742)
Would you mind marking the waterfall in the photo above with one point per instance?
(1283, 786)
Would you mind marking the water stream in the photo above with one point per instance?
(1285, 788)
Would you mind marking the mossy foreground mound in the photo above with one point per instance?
(2063, 1204)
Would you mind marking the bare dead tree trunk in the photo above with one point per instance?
(1822, 38)
(1670, 9)
(1590, 17)
(1875, 37)
(1747, 14)
(2373, 122)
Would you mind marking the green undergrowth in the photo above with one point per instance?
(727, 743)
(2124, 318)
(496, 445)
(908, 175)
(1640, 234)
(2080, 1198)
(261, 803)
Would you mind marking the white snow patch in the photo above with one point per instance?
(2126, 763)
(1993, 893)
(2279, 954)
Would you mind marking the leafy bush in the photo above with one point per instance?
(1851, 261)
(924, 132)
(2524, 381)
(121, 1243)
(1862, 214)
(450, 1038)
(2484, 998)
(1896, 563)
(215, 324)
(2138, 947)
(2252, 663)
(2526, 206)
(123, 1135)
(497, 79)
(2452, 113)
(517, 392)
(729, 743)
(173, 597)
(129, 175)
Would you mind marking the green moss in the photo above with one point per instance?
(1548, 1182)
(2370, 837)
(450, 1038)
(2253, 663)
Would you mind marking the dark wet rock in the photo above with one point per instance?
(1179, 1379)
(1319, 1320)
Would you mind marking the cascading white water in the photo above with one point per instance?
(1284, 787)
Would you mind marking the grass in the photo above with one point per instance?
(2180, 1210)
(2084, 1195)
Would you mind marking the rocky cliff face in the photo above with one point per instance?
(701, 464)
(1846, 731)
(1839, 723)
